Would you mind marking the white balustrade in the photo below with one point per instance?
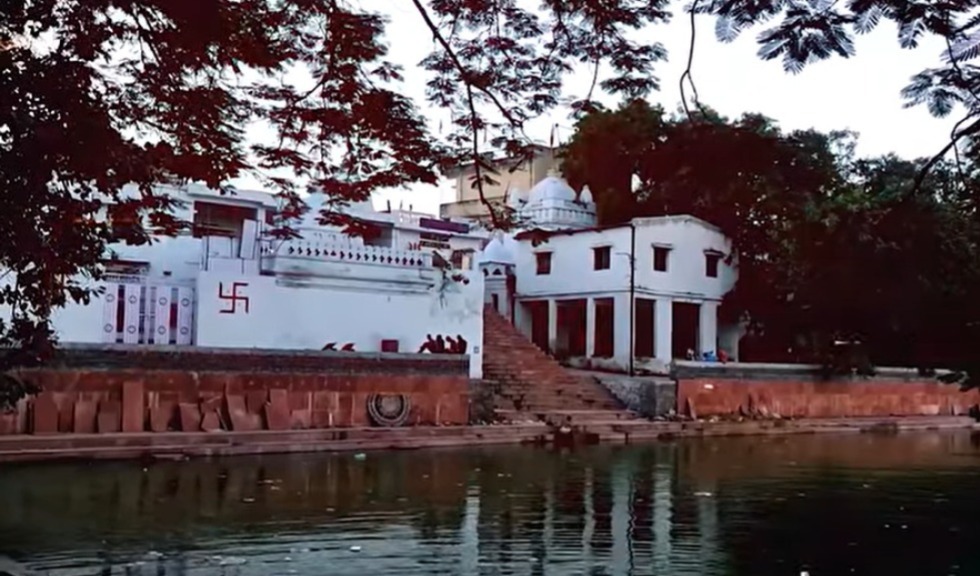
(352, 254)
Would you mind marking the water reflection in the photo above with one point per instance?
(754, 506)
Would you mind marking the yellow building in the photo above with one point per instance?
(523, 177)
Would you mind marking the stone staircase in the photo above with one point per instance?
(531, 385)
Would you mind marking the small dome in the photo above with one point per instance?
(553, 187)
(585, 197)
(498, 251)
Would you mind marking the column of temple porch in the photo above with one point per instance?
(590, 327)
(708, 327)
(622, 341)
(663, 326)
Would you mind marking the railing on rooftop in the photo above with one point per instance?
(351, 254)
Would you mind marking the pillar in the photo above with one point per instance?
(589, 327)
(622, 314)
(708, 327)
(663, 329)
(522, 319)
(552, 325)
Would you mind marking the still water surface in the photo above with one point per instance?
(830, 505)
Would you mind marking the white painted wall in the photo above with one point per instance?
(74, 322)
(369, 294)
(306, 317)
(572, 272)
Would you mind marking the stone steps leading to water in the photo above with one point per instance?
(529, 380)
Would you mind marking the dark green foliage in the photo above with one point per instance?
(829, 247)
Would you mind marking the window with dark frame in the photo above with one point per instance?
(543, 263)
(660, 256)
(601, 257)
(711, 261)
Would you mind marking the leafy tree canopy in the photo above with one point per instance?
(828, 245)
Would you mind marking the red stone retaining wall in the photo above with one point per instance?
(112, 389)
(797, 392)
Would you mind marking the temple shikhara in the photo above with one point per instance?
(420, 283)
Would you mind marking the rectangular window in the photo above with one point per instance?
(543, 261)
(601, 258)
(711, 261)
(660, 254)
(212, 219)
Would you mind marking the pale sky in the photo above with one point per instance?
(860, 94)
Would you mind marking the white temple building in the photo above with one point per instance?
(226, 282)
(565, 283)
(569, 286)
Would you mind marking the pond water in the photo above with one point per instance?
(828, 505)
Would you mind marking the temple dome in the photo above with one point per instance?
(516, 197)
(553, 187)
(499, 251)
(586, 196)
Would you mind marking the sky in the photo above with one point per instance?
(861, 93)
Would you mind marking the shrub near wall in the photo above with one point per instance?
(798, 391)
(109, 389)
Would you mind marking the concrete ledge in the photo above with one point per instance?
(193, 358)
(186, 445)
(758, 371)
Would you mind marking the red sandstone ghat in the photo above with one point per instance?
(798, 392)
(94, 389)
(122, 389)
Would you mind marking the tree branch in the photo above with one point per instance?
(474, 117)
(973, 128)
(690, 64)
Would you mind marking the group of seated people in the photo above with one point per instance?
(447, 345)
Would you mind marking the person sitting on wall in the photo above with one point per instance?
(723, 356)
(439, 346)
(452, 347)
(428, 345)
(463, 344)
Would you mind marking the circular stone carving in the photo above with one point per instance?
(108, 327)
(185, 302)
(163, 301)
(161, 330)
(110, 298)
(184, 330)
(388, 410)
(132, 300)
(131, 329)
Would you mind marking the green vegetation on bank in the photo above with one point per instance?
(829, 246)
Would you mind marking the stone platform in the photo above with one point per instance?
(179, 445)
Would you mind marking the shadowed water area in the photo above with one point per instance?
(851, 504)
